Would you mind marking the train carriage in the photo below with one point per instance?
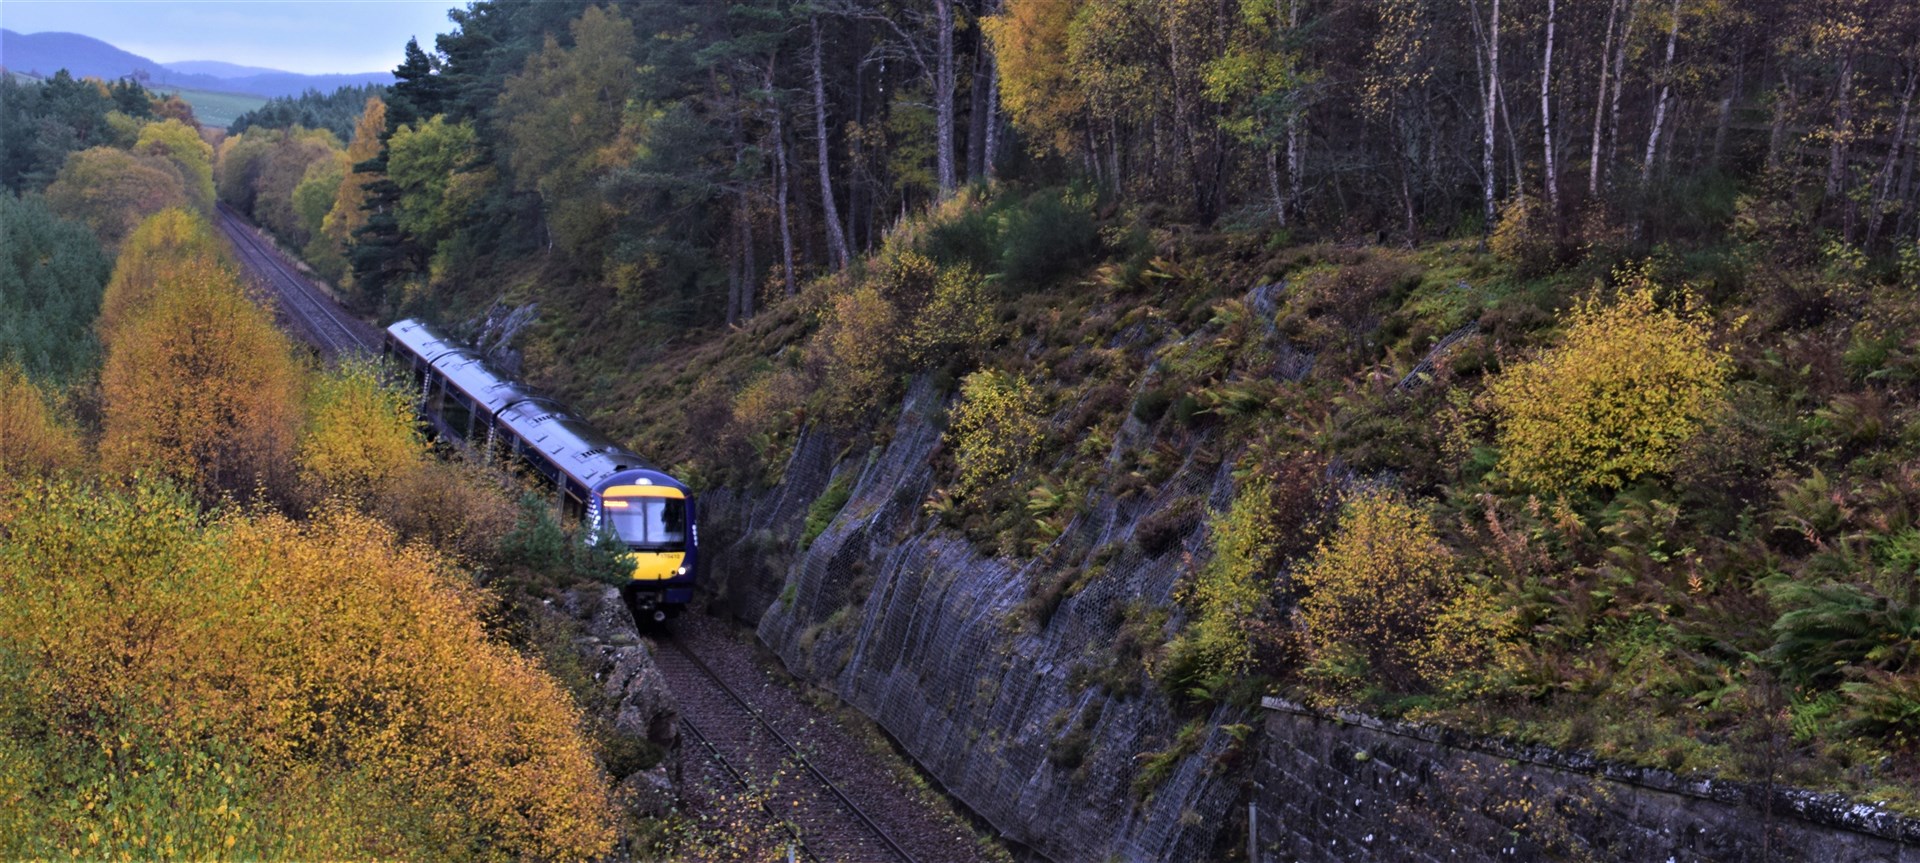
(609, 489)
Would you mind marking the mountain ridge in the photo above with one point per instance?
(84, 56)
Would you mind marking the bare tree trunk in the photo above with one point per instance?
(1666, 96)
(1295, 155)
(1600, 102)
(1273, 186)
(1877, 212)
(976, 107)
(1783, 105)
(1487, 109)
(1546, 116)
(1725, 121)
(734, 267)
(943, 95)
(836, 239)
(1838, 143)
(1619, 83)
(990, 135)
(990, 150)
(780, 184)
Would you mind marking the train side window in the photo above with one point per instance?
(538, 464)
(457, 413)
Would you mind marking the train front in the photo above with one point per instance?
(651, 514)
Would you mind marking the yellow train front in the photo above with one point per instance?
(603, 485)
(652, 515)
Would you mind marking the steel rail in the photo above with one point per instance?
(313, 311)
(798, 756)
(791, 829)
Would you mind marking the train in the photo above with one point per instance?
(595, 482)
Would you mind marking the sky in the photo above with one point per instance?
(308, 36)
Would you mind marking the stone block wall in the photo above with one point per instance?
(1343, 787)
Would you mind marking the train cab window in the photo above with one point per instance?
(649, 523)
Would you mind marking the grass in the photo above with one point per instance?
(217, 109)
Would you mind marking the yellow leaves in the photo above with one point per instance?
(33, 438)
(957, 322)
(995, 429)
(1373, 591)
(856, 348)
(1628, 385)
(1030, 39)
(198, 384)
(255, 687)
(360, 433)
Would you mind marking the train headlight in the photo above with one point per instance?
(680, 571)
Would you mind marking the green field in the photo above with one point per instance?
(217, 109)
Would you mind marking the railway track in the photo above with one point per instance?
(331, 330)
(749, 751)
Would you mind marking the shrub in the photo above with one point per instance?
(1152, 404)
(856, 350)
(1372, 593)
(244, 687)
(166, 241)
(33, 440)
(763, 413)
(1166, 526)
(824, 509)
(536, 540)
(360, 433)
(995, 429)
(956, 324)
(113, 190)
(200, 386)
(1523, 237)
(1629, 384)
(1048, 236)
(1228, 593)
(906, 279)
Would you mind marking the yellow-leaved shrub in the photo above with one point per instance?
(174, 684)
(33, 438)
(1229, 593)
(995, 430)
(360, 435)
(1628, 385)
(199, 385)
(956, 323)
(1373, 594)
(162, 243)
(855, 351)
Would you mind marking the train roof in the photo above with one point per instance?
(460, 365)
(543, 423)
(422, 338)
(576, 447)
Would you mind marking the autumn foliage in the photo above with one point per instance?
(174, 683)
(33, 437)
(198, 384)
(1372, 590)
(112, 190)
(1629, 384)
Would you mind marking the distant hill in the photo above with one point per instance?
(43, 54)
(219, 69)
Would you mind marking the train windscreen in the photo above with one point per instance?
(649, 523)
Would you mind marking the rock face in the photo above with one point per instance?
(1018, 684)
(637, 699)
(1034, 717)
